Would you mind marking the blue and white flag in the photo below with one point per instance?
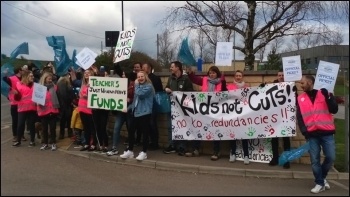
(21, 49)
(62, 61)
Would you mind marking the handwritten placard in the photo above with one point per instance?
(124, 45)
(86, 58)
(245, 113)
(108, 93)
(39, 94)
(292, 68)
(223, 55)
(326, 76)
(260, 150)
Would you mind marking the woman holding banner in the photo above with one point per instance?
(238, 83)
(213, 82)
(86, 113)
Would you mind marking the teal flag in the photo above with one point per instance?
(62, 61)
(185, 56)
(6, 70)
(21, 49)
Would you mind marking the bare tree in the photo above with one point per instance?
(252, 20)
(340, 9)
(193, 47)
(201, 42)
(261, 53)
(166, 49)
(337, 38)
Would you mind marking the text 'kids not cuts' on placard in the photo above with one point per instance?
(223, 55)
(108, 93)
(124, 45)
(39, 94)
(292, 68)
(246, 113)
(326, 76)
(85, 58)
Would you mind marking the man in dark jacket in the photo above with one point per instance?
(158, 87)
(316, 123)
(176, 82)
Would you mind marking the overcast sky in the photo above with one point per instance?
(83, 24)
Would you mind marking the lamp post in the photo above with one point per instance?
(122, 16)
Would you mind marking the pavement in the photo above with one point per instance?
(201, 164)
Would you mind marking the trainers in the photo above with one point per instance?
(112, 152)
(31, 144)
(14, 139)
(53, 147)
(16, 144)
(44, 147)
(232, 158)
(142, 156)
(181, 152)
(92, 148)
(86, 147)
(246, 160)
(127, 154)
(286, 165)
(215, 156)
(24, 139)
(169, 150)
(317, 189)
(194, 153)
(326, 185)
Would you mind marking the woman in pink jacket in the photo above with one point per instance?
(26, 107)
(48, 113)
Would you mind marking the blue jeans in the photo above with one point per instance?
(121, 117)
(319, 170)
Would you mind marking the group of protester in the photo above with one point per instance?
(66, 101)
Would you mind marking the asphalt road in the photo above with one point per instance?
(31, 172)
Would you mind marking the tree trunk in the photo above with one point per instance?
(248, 40)
(249, 61)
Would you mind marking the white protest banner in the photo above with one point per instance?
(223, 56)
(292, 68)
(86, 58)
(326, 76)
(124, 45)
(107, 93)
(260, 150)
(39, 94)
(245, 113)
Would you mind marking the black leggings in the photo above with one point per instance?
(14, 116)
(274, 144)
(30, 117)
(89, 128)
(143, 124)
(244, 147)
(101, 118)
(49, 121)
